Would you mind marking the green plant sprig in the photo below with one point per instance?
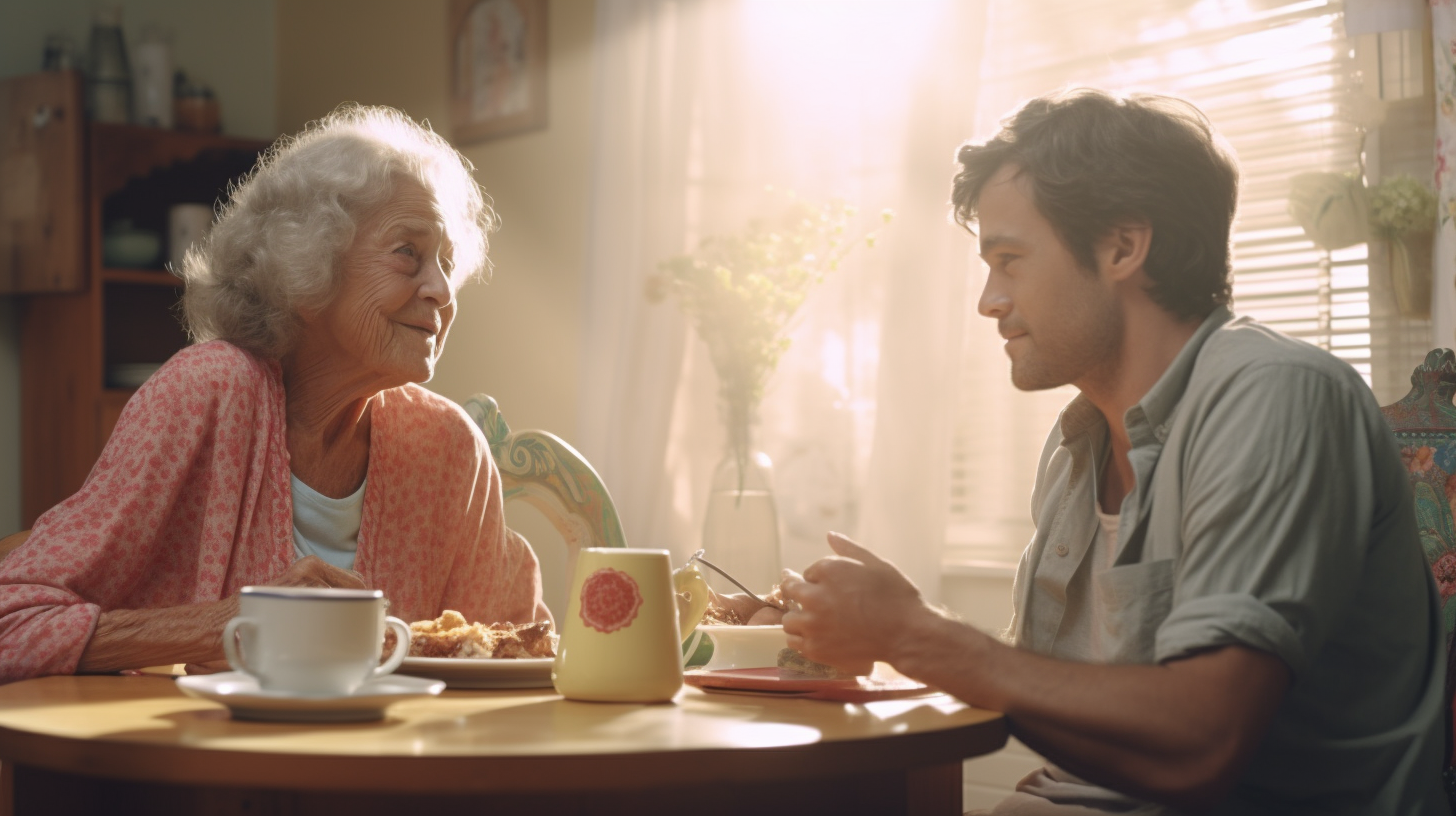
(740, 291)
(1401, 206)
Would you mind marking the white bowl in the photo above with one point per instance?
(744, 647)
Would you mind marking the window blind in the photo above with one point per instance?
(1275, 79)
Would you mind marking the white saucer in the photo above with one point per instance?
(241, 694)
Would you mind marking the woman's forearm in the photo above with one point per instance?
(136, 638)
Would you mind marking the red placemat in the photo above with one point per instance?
(846, 690)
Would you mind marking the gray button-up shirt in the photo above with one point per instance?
(1270, 510)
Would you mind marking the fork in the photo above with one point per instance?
(698, 557)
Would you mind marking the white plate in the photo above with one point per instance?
(483, 672)
(241, 694)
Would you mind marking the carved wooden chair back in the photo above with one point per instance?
(1424, 422)
(10, 542)
(540, 469)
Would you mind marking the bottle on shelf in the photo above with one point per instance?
(109, 82)
(154, 80)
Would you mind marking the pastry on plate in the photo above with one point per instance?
(450, 635)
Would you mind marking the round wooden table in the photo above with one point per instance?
(112, 744)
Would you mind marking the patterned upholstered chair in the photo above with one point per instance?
(540, 469)
(1424, 422)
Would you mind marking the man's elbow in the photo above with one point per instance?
(1219, 734)
(1201, 779)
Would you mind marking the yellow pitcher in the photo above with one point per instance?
(621, 639)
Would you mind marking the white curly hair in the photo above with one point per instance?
(275, 247)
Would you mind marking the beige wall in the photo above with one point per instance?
(517, 337)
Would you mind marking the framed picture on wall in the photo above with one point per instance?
(497, 67)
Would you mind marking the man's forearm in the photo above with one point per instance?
(1132, 728)
(136, 638)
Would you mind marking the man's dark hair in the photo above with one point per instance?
(1095, 161)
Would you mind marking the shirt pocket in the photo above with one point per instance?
(1132, 601)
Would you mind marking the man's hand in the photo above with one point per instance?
(749, 610)
(852, 607)
(312, 571)
(1178, 733)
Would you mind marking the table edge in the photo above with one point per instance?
(182, 765)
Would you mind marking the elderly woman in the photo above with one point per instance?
(290, 445)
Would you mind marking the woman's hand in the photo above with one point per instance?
(312, 571)
(309, 571)
(210, 667)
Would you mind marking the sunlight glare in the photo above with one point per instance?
(838, 54)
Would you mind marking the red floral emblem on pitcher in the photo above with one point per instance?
(609, 600)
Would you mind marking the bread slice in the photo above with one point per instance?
(794, 666)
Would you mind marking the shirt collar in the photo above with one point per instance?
(1147, 421)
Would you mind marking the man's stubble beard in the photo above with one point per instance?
(1090, 339)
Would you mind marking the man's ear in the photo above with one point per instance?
(1122, 252)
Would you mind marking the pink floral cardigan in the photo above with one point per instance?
(190, 502)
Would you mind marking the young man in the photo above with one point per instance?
(1225, 607)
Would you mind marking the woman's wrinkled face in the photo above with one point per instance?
(394, 302)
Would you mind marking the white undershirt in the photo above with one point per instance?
(1106, 543)
(1093, 646)
(326, 527)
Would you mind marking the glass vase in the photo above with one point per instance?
(1410, 274)
(741, 530)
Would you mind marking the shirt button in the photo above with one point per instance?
(1061, 549)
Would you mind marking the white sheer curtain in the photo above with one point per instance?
(701, 106)
(1443, 300)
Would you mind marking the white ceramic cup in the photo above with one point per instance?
(312, 641)
(186, 225)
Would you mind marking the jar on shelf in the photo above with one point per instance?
(194, 106)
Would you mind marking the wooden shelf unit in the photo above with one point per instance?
(99, 316)
(140, 277)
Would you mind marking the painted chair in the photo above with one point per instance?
(10, 542)
(1424, 422)
(542, 470)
